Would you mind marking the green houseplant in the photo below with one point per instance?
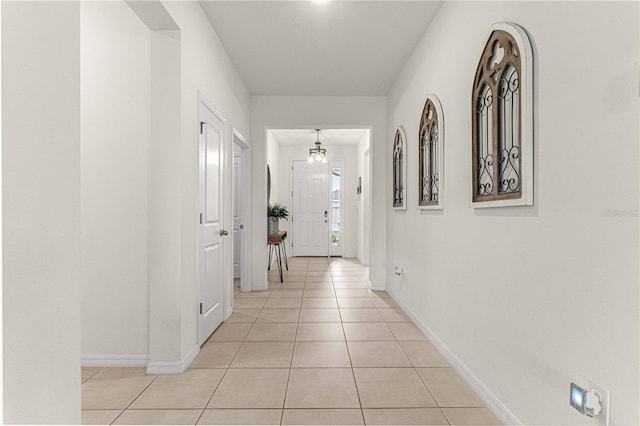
(275, 213)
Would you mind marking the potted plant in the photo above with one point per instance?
(275, 213)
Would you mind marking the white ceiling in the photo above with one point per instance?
(308, 136)
(305, 48)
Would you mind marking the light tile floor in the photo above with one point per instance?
(320, 348)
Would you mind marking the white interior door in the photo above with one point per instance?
(237, 240)
(211, 232)
(310, 213)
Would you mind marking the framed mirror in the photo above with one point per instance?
(268, 184)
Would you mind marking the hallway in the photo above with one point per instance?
(475, 201)
(319, 348)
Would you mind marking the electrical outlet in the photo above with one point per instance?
(398, 271)
(603, 394)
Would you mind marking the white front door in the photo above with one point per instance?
(211, 239)
(237, 240)
(310, 213)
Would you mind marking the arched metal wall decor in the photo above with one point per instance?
(502, 120)
(399, 170)
(430, 155)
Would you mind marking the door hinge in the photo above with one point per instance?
(201, 218)
(202, 123)
(200, 308)
(241, 226)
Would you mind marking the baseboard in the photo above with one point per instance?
(133, 360)
(228, 313)
(493, 403)
(173, 367)
(376, 287)
(259, 286)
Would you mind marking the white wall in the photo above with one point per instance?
(41, 212)
(347, 153)
(115, 58)
(531, 298)
(317, 112)
(273, 160)
(163, 205)
(205, 67)
(140, 163)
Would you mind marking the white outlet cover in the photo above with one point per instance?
(603, 417)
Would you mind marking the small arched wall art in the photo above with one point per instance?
(431, 156)
(400, 170)
(502, 120)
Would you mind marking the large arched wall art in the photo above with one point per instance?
(431, 156)
(502, 120)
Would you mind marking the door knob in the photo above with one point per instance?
(223, 232)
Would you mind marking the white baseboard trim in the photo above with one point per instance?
(173, 367)
(493, 403)
(132, 360)
(259, 286)
(228, 313)
(376, 287)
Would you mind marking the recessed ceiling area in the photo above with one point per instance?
(327, 136)
(307, 48)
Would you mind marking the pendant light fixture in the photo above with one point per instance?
(317, 153)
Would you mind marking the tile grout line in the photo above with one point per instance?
(135, 399)
(255, 321)
(286, 389)
(355, 382)
(423, 381)
(118, 416)
(230, 362)
(226, 370)
(353, 373)
(90, 377)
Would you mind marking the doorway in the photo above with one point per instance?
(236, 219)
(366, 209)
(241, 211)
(342, 233)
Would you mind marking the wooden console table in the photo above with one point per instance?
(277, 248)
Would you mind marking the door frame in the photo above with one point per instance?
(245, 209)
(367, 206)
(227, 290)
(368, 230)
